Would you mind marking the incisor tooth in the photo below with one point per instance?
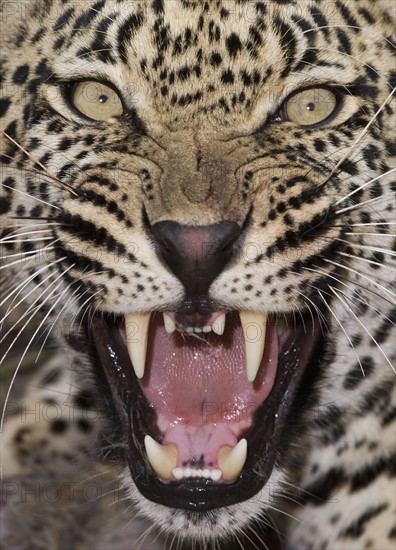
(219, 325)
(136, 328)
(231, 460)
(163, 458)
(169, 324)
(254, 326)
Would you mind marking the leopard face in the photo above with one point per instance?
(208, 186)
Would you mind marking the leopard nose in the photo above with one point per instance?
(196, 254)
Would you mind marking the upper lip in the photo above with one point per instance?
(137, 419)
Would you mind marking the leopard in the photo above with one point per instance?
(197, 232)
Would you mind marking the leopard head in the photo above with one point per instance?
(199, 174)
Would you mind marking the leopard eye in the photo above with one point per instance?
(310, 107)
(96, 100)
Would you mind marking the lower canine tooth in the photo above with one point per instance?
(254, 326)
(231, 460)
(163, 458)
(136, 328)
(169, 324)
(219, 325)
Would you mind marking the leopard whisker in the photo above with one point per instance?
(382, 235)
(25, 259)
(361, 275)
(50, 328)
(23, 355)
(364, 203)
(349, 27)
(244, 533)
(372, 223)
(372, 262)
(373, 308)
(363, 133)
(283, 512)
(320, 316)
(364, 185)
(339, 281)
(7, 238)
(87, 306)
(299, 489)
(31, 197)
(91, 8)
(343, 329)
(364, 328)
(36, 170)
(38, 240)
(31, 218)
(24, 283)
(31, 306)
(27, 256)
(140, 540)
(92, 52)
(367, 247)
(60, 183)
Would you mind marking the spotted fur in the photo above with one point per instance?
(202, 141)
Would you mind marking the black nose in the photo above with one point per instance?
(196, 254)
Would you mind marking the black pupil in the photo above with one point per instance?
(311, 106)
(103, 98)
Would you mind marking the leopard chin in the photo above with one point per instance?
(205, 402)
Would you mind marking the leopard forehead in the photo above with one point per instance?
(214, 65)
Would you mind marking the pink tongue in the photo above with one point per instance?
(198, 386)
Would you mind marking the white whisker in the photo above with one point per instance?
(27, 312)
(364, 328)
(343, 329)
(25, 352)
(363, 133)
(368, 247)
(360, 259)
(32, 197)
(389, 235)
(24, 283)
(364, 185)
(360, 275)
(364, 203)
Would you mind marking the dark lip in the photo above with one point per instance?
(136, 419)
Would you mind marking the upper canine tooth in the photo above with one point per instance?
(169, 324)
(219, 325)
(231, 460)
(254, 340)
(136, 328)
(163, 458)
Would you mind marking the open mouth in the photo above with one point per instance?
(203, 400)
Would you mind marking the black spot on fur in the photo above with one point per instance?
(131, 25)
(368, 474)
(52, 377)
(21, 74)
(356, 528)
(358, 373)
(324, 488)
(59, 427)
(234, 44)
(84, 425)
